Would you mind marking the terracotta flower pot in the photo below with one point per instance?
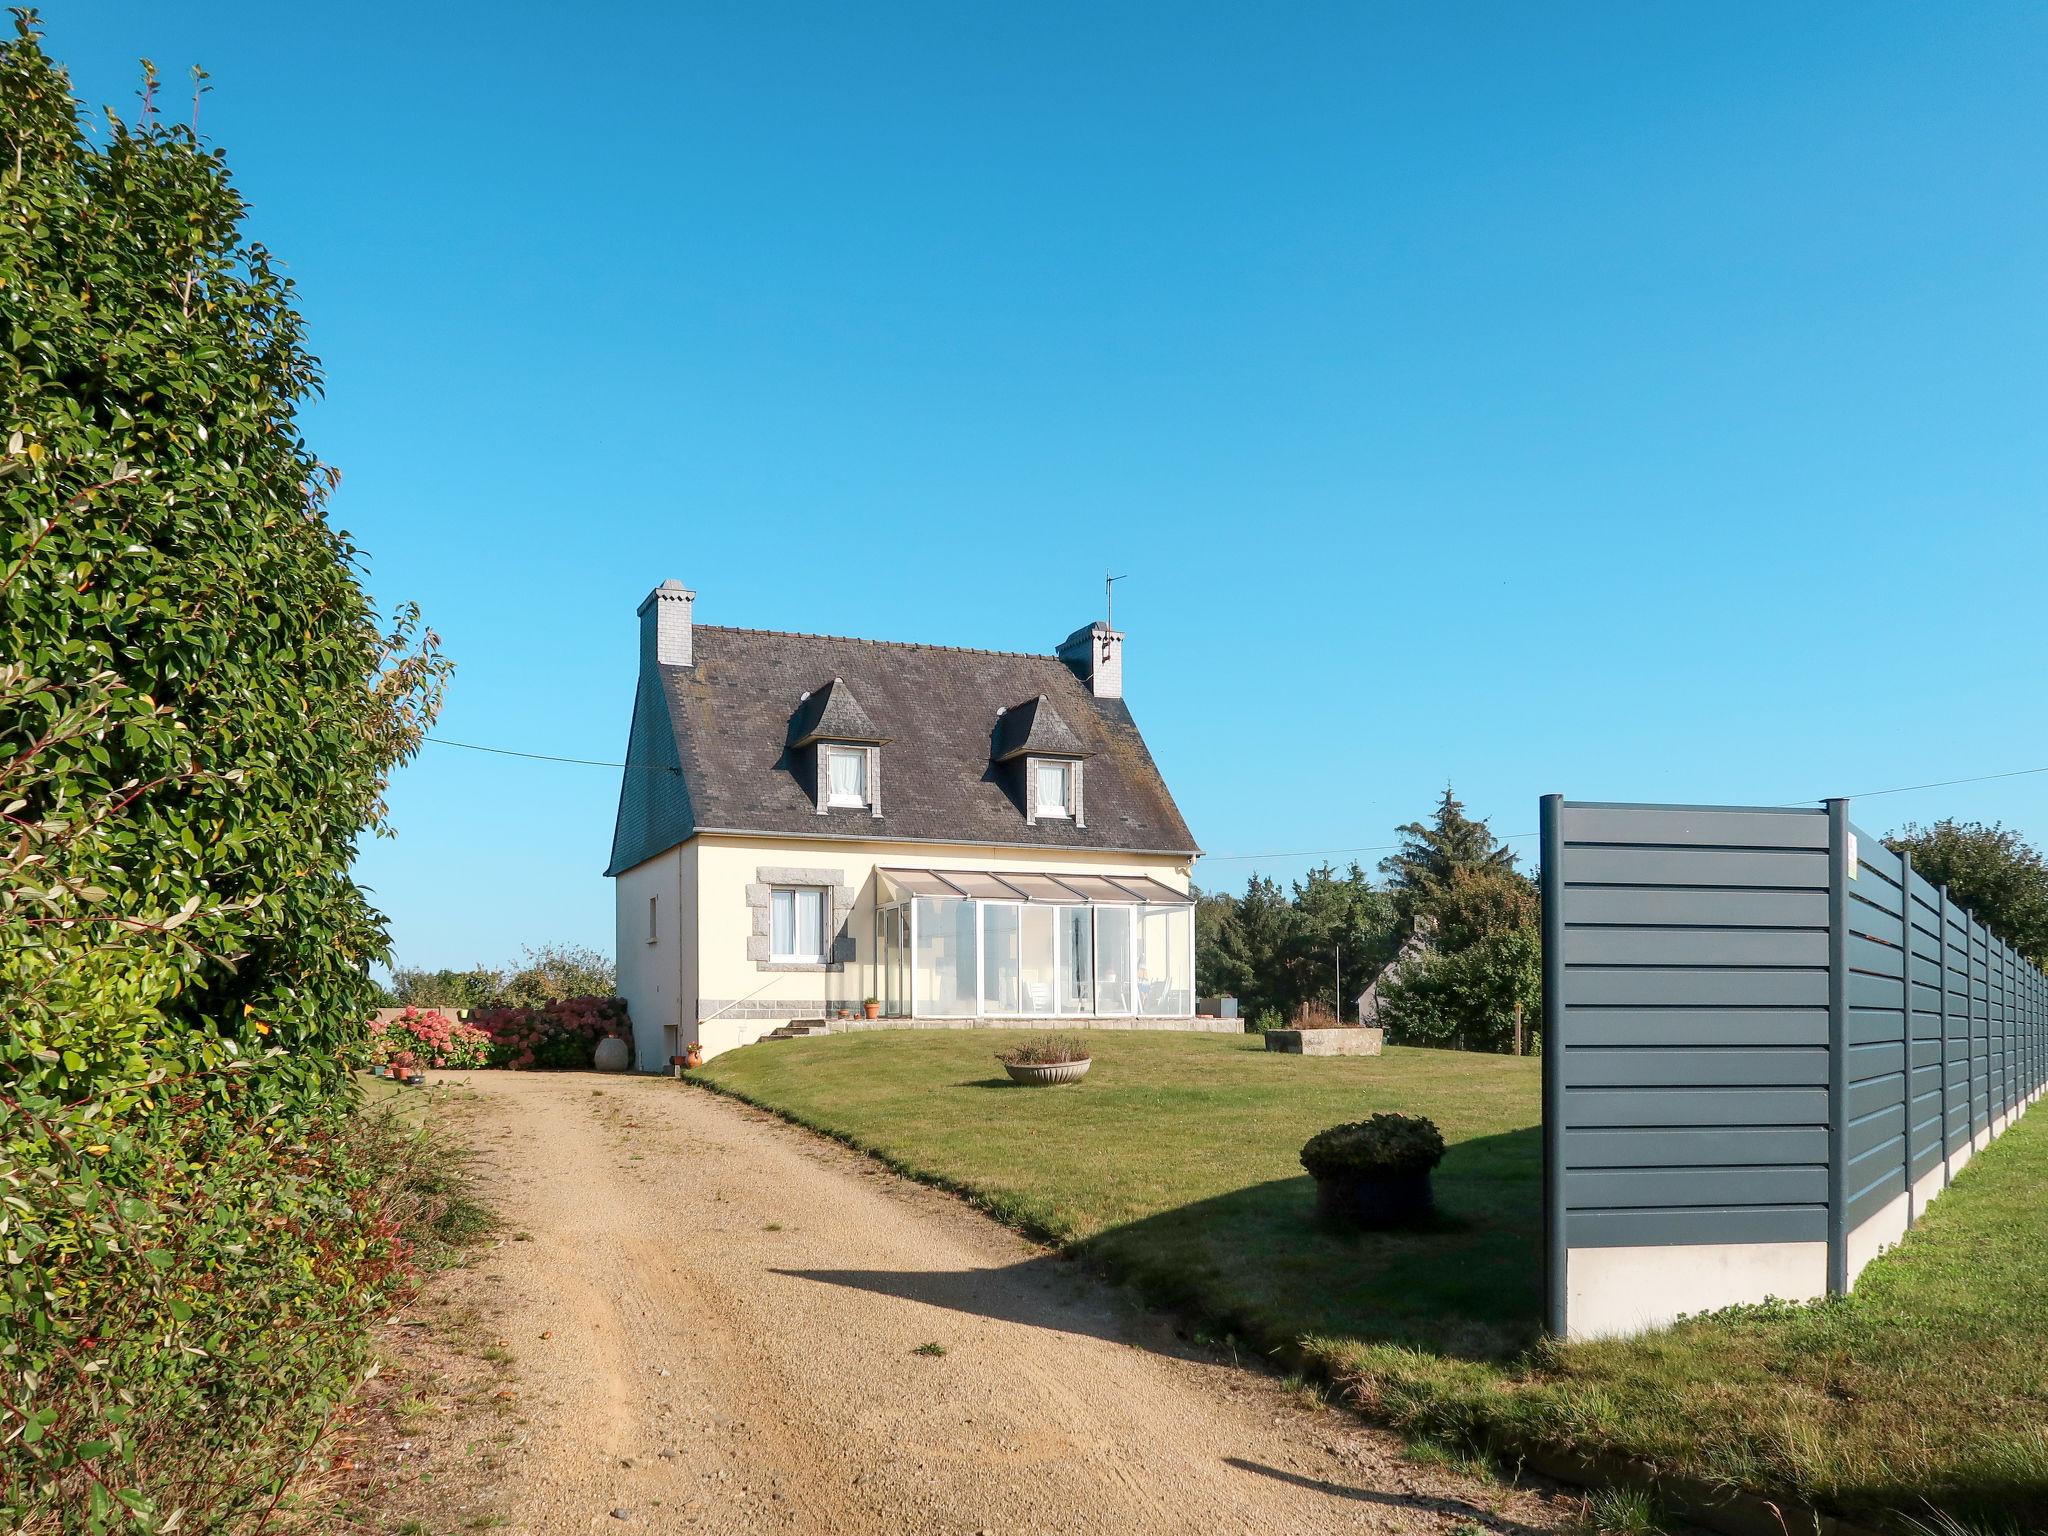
(695, 1057)
(872, 1010)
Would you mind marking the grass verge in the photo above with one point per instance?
(1174, 1164)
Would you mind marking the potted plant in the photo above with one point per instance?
(872, 1007)
(1052, 1059)
(1375, 1172)
(695, 1058)
(407, 1068)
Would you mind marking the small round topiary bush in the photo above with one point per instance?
(1375, 1172)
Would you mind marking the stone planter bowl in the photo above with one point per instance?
(1052, 1072)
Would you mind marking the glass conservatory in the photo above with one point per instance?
(959, 943)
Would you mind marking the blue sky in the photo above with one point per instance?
(1637, 402)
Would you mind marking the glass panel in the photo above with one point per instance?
(1095, 888)
(781, 922)
(890, 945)
(849, 776)
(810, 925)
(1145, 888)
(1052, 789)
(1001, 974)
(1113, 959)
(979, 882)
(1077, 961)
(1040, 958)
(1038, 887)
(944, 966)
(916, 882)
(1164, 985)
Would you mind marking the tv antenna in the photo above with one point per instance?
(1109, 597)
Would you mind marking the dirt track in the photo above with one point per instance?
(721, 1323)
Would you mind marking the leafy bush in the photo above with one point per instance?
(202, 709)
(559, 973)
(477, 987)
(432, 1037)
(201, 1282)
(559, 1036)
(1467, 1000)
(1383, 1144)
(1268, 1020)
(1046, 1051)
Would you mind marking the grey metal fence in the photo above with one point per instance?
(1769, 1044)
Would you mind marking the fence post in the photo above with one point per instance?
(1906, 1015)
(1941, 922)
(1838, 1046)
(1551, 874)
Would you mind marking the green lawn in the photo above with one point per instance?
(1174, 1163)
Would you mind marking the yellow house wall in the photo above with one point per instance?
(763, 998)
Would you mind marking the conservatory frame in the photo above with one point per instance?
(1138, 933)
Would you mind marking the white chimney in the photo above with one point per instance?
(665, 626)
(1095, 654)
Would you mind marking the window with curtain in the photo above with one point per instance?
(846, 771)
(1053, 782)
(796, 924)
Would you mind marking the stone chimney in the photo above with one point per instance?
(665, 626)
(1095, 654)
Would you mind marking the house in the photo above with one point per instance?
(968, 837)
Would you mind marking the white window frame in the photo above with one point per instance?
(833, 798)
(1065, 808)
(795, 893)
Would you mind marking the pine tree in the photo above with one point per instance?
(1420, 871)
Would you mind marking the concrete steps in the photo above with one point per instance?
(799, 1029)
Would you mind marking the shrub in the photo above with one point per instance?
(432, 1036)
(1467, 1000)
(1383, 1144)
(1268, 1020)
(1046, 1051)
(197, 1288)
(555, 1037)
(558, 973)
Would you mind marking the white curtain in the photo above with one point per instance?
(849, 778)
(1052, 786)
(797, 924)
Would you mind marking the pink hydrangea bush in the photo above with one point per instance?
(432, 1037)
(556, 1036)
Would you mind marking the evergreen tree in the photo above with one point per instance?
(1419, 872)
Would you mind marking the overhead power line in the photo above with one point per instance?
(546, 757)
(1277, 853)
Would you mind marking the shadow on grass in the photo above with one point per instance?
(1261, 1264)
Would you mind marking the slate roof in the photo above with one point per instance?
(1035, 727)
(729, 729)
(832, 713)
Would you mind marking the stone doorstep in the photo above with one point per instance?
(1348, 1040)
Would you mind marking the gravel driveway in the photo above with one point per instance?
(723, 1323)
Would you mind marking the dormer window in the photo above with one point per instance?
(1041, 758)
(1055, 786)
(835, 752)
(846, 777)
